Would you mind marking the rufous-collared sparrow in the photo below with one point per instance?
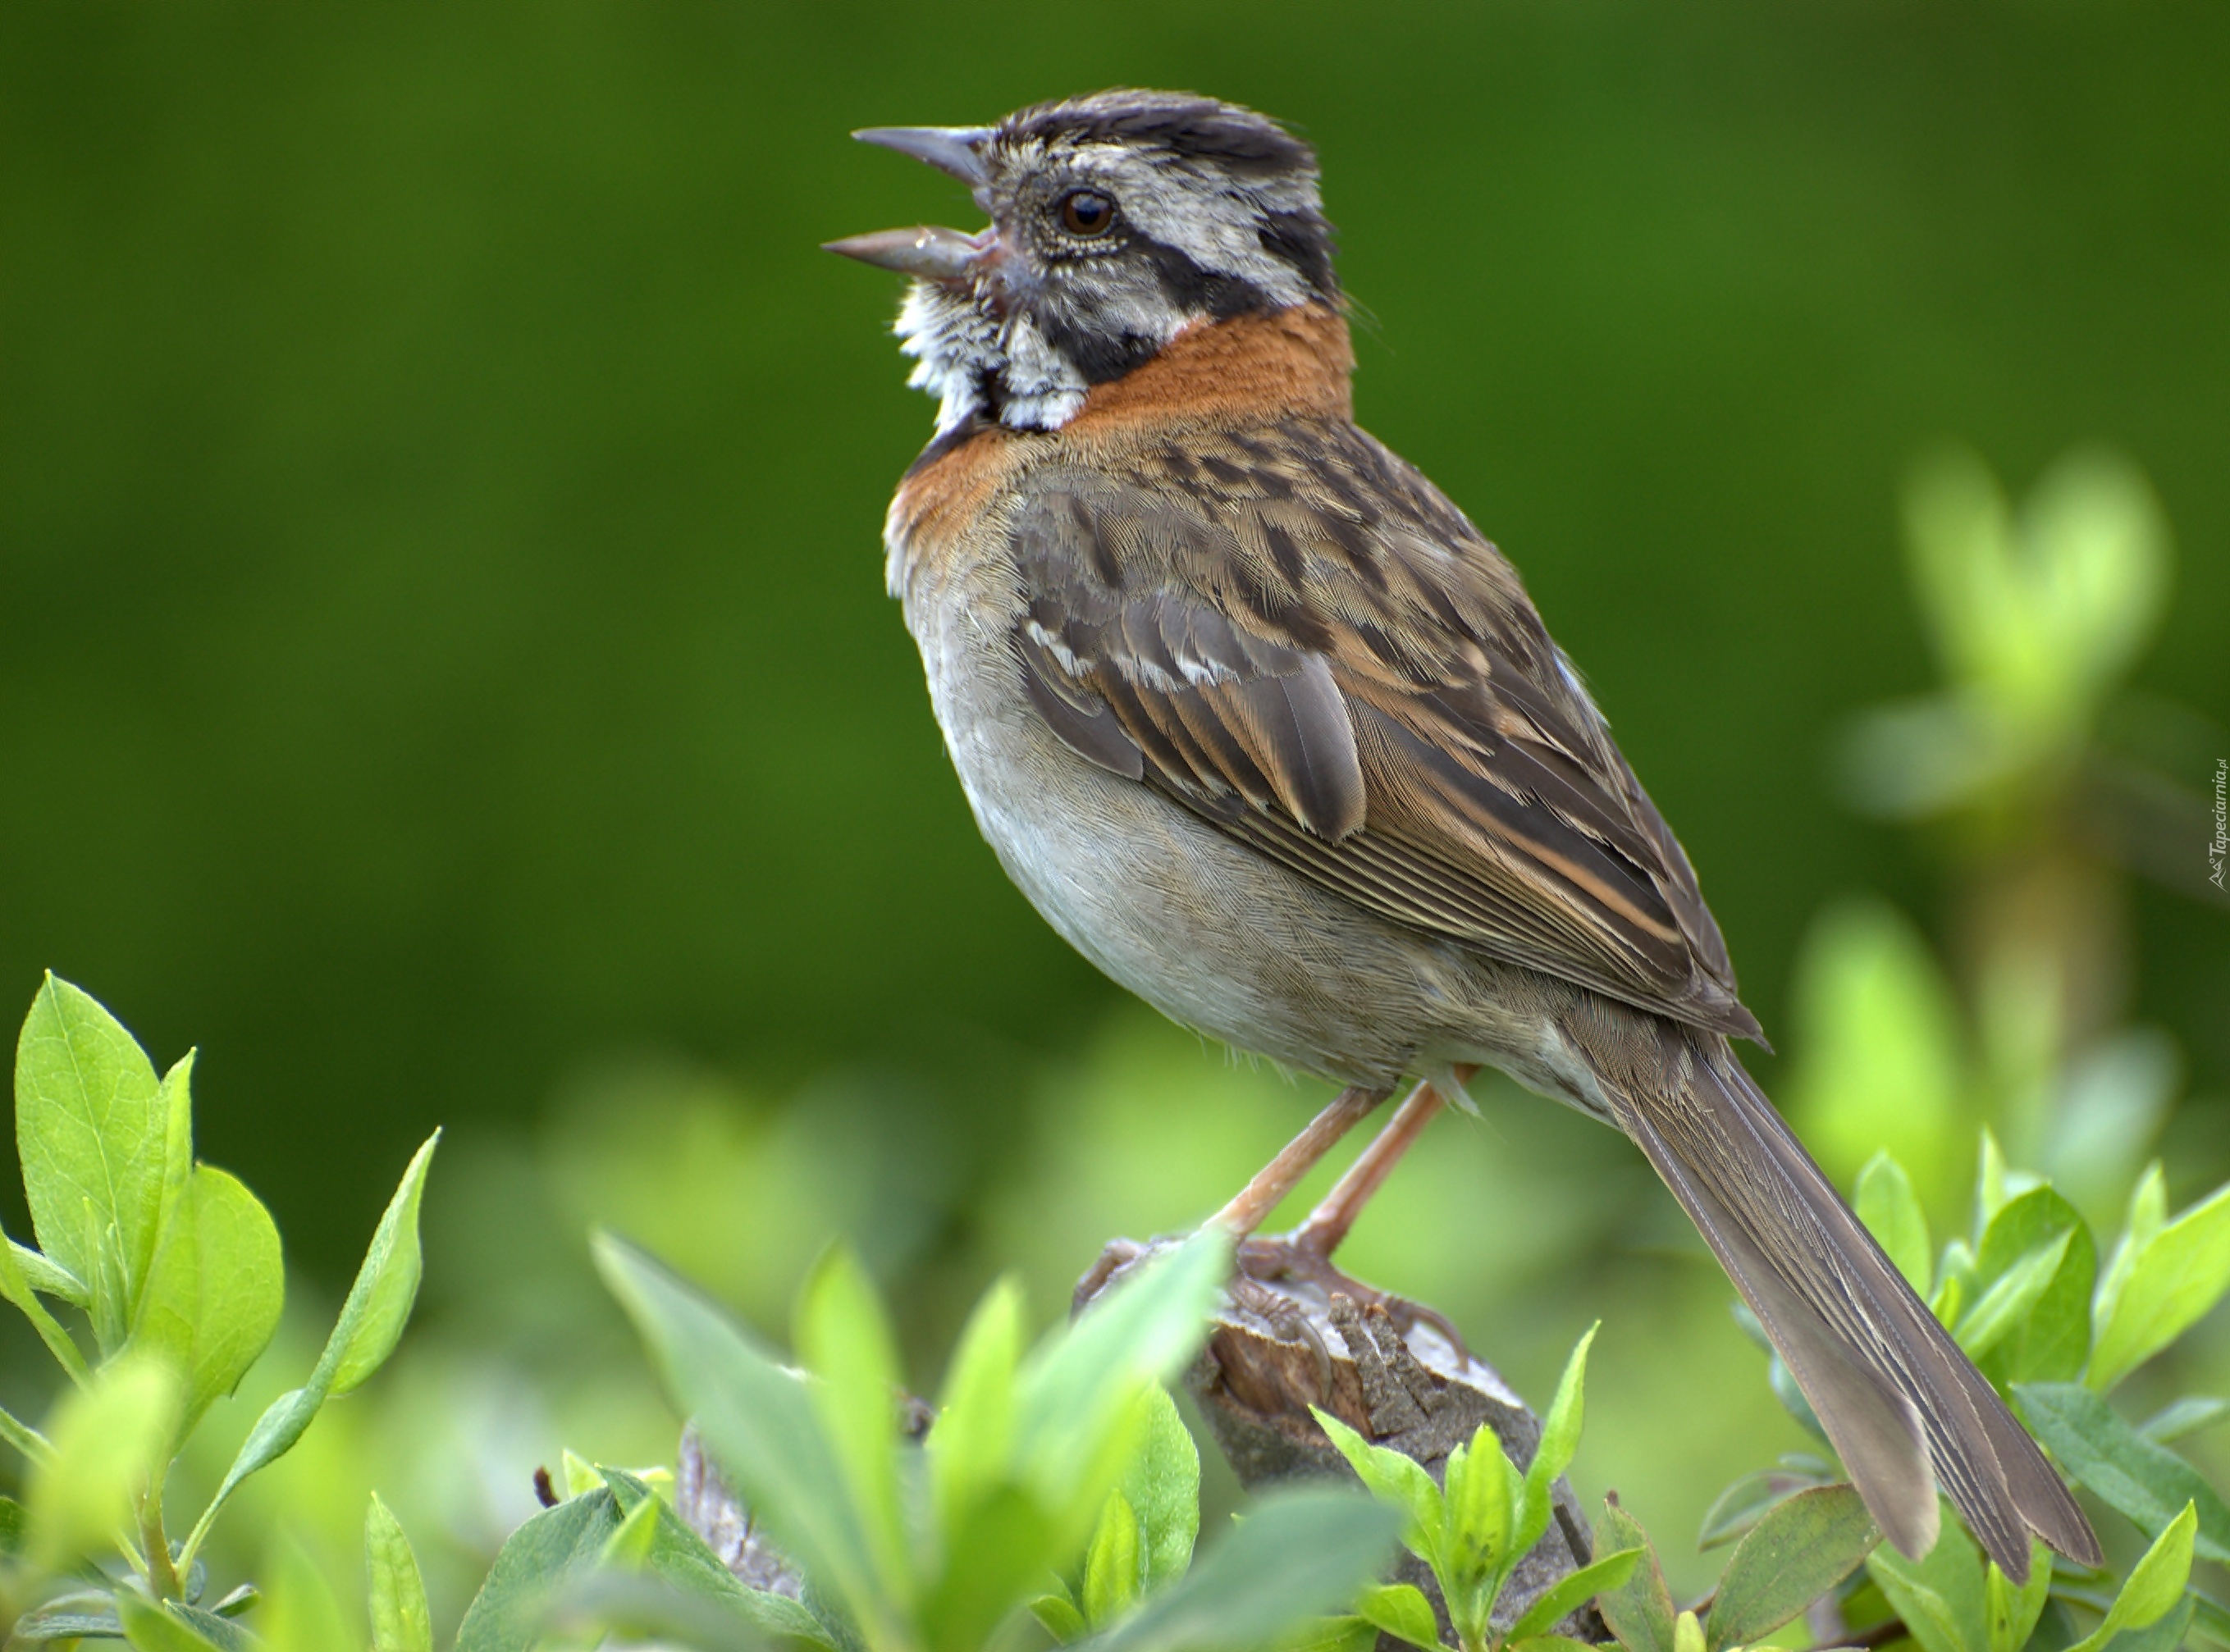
(1264, 726)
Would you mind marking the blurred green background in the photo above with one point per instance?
(444, 670)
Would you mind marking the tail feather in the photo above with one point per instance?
(1906, 1410)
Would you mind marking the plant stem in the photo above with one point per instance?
(162, 1576)
(25, 1439)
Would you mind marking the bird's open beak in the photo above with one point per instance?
(928, 252)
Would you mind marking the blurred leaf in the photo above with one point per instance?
(371, 1321)
(2165, 1634)
(552, 1545)
(755, 1418)
(1560, 1443)
(1640, 1610)
(1891, 1210)
(1294, 1557)
(2154, 1585)
(2112, 1098)
(1807, 1546)
(845, 1341)
(1991, 1191)
(301, 1613)
(969, 1447)
(2146, 1482)
(1402, 1610)
(2186, 1416)
(1058, 1616)
(1942, 1598)
(399, 1618)
(1349, 1634)
(1573, 1590)
(2011, 1609)
(1397, 1481)
(1748, 1499)
(2172, 1279)
(152, 1628)
(214, 1295)
(1111, 1564)
(1162, 1487)
(1877, 1030)
(106, 1438)
(90, 1127)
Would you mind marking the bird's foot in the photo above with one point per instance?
(1299, 1258)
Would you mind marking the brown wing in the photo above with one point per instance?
(1290, 632)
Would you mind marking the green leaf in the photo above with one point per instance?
(399, 1618)
(2154, 1584)
(1560, 1443)
(1941, 1598)
(2173, 1279)
(2164, 1634)
(2007, 1300)
(1400, 1482)
(379, 1302)
(1332, 1634)
(969, 1449)
(1739, 1508)
(2146, 1482)
(2011, 1609)
(756, 1418)
(1569, 1593)
(2186, 1416)
(1075, 1395)
(1111, 1564)
(1296, 1556)
(301, 1613)
(670, 1551)
(371, 1318)
(151, 1628)
(1162, 1487)
(107, 1437)
(1401, 1610)
(213, 1295)
(2148, 1215)
(550, 1547)
(16, 1285)
(1640, 1610)
(1549, 1643)
(48, 1277)
(2210, 1618)
(1481, 1495)
(845, 1340)
(1059, 1616)
(2045, 1335)
(1891, 1210)
(91, 1129)
(1804, 1548)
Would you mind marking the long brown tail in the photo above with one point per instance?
(1906, 1410)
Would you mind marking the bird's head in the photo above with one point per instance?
(1117, 220)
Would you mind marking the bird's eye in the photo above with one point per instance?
(1086, 212)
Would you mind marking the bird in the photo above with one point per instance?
(1272, 734)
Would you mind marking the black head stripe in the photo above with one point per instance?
(1305, 241)
(1236, 138)
(1192, 288)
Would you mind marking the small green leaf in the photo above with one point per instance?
(1891, 1210)
(1640, 1610)
(1401, 1610)
(1808, 1545)
(1687, 1633)
(1941, 1598)
(1111, 1564)
(2146, 1482)
(1060, 1617)
(379, 1302)
(2007, 1299)
(1481, 1495)
(552, 1546)
(399, 1618)
(90, 1128)
(17, 1286)
(1295, 1556)
(845, 1339)
(48, 1277)
(1162, 1487)
(2048, 1336)
(2174, 1278)
(106, 1438)
(2148, 1215)
(1397, 1481)
(1569, 1593)
(2011, 1609)
(1749, 1500)
(1560, 1443)
(669, 1551)
(2154, 1584)
(213, 1295)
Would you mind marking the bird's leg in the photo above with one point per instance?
(1328, 1223)
(1277, 1179)
(1305, 1253)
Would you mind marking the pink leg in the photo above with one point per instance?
(1277, 1179)
(1328, 1223)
